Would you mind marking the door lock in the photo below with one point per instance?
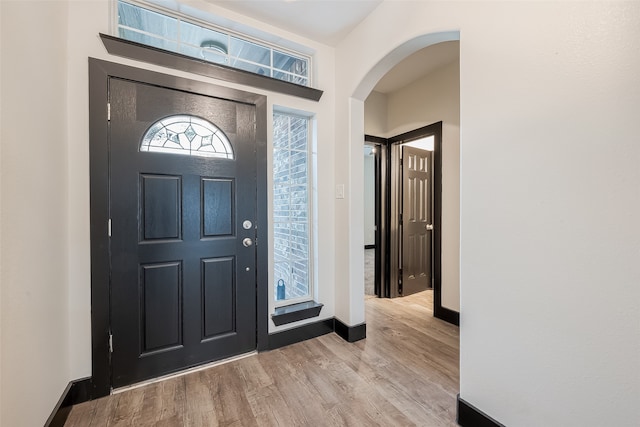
(247, 242)
(429, 226)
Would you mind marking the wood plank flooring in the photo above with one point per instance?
(405, 373)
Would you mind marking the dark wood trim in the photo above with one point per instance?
(99, 217)
(301, 333)
(386, 199)
(381, 285)
(165, 58)
(431, 129)
(82, 390)
(434, 129)
(351, 333)
(376, 139)
(470, 416)
(262, 226)
(75, 392)
(448, 315)
(296, 312)
(99, 74)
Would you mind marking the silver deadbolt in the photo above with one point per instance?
(429, 226)
(246, 224)
(247, 242)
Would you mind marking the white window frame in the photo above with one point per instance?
(311, 227)
(180, 16)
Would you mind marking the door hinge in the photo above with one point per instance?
(110, 342)
(108, 111)
(400, 221)
(109, 227)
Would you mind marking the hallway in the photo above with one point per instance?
(404, 373)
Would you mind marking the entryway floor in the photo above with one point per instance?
(405, 373)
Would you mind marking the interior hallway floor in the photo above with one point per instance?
(405, 373)
(369, 271)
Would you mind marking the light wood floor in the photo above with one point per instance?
(405, 373)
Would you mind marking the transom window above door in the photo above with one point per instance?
(187, 135)
(160, 28)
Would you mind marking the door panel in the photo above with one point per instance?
(161, 207)
(416, 220)
(183, 287)
(160, 310)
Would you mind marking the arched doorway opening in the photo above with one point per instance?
(356, 168)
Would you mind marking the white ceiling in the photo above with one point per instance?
(329, 21)
(325, 21)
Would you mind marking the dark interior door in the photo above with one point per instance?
(183, 280)
(416, 220)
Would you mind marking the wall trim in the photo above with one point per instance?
(81, 390)
(75, 392)
(301, 333)
(443, 313)
(470, 416)
(165, 58)
(351, 333)
(296, 312)
(316, 329)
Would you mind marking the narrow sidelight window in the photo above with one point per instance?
(291, 208)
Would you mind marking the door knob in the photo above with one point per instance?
(247, 242)
(429, 226)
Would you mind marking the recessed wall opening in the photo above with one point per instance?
(397, 115)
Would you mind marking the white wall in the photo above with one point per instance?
(549, 197)
(46, 336)
(34, 325)
(86, 20)
(376, 115)
(550, 242)
(432, 98)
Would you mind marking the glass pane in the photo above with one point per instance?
(147, 39)
(299, 279)
(206, 54)
(281, 75)
(147, 20)
(250, 51)
(204, 43)
(155, 28)
(291, 206)
(253, 68)
(187, 135)
(292, 64)
(282, 275)
(281, 166)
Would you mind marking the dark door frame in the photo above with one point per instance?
(381, 252)
(434, 129)
(99, 74)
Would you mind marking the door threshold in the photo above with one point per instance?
(183, 372)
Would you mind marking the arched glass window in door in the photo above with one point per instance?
(187, 135)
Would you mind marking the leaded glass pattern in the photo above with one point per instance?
(187, 135)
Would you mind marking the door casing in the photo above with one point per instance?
(388, 216)
(394, 230)
(99, 74)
